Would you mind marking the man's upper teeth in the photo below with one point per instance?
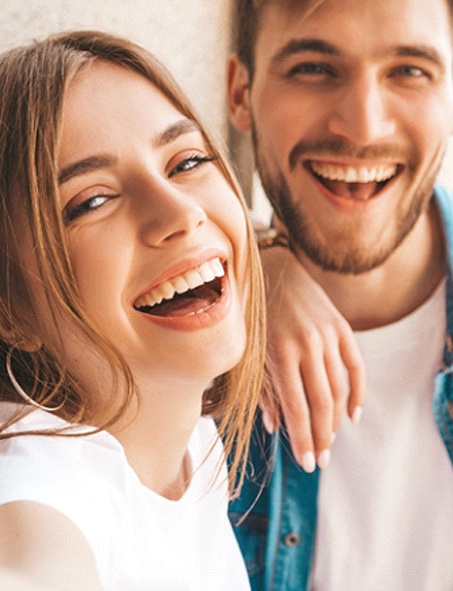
(190, 280)
(350, 174)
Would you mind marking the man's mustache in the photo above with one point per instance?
(338, 147)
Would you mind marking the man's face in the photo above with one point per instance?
(350, 110)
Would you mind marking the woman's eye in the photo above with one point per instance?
(191, 162)
(71, 212)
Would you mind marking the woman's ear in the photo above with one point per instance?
(238, 91)
(30, 344)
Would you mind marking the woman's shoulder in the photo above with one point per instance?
(70, 470)
(82, 475)
(39, 432)
(208, 461)
(205, 445)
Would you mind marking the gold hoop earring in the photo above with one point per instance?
(18, 388)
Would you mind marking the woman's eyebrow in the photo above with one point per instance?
(173, 131)
(170, 134)
(83, 167)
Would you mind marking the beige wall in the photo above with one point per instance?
(188, 35)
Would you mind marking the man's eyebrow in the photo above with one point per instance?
(172, 132)
(422, 51)
(83, 167)
(295, 46)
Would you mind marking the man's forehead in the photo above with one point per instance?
(425, 20)
(303, 8)
(287, 4)
(300, 8)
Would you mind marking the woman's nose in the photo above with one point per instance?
(170, 215)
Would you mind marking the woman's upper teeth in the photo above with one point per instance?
(205, 273)
(351, 174)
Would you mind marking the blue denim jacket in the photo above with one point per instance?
(275, 516)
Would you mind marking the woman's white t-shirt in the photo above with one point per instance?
(140, 540)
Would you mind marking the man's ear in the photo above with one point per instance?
(238, 91)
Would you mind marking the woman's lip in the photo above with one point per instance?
(210, 316)
(181, 267)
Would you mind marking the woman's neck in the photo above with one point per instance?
(155, 435)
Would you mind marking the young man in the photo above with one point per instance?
(350, 105)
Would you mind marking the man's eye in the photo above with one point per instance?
(193, 161)
(310, 69)
(410, 71)
(71, 212)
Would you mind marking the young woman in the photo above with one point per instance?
(130, 318)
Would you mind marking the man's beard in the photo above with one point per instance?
(352, 258)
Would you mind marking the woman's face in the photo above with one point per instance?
(156, 235)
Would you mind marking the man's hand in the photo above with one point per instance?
(315, 365)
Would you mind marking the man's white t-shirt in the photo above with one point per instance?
(140, 540)
(386, 500)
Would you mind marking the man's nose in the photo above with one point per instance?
(362, 114)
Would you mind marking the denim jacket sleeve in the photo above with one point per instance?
(274, 517)
(443, 395)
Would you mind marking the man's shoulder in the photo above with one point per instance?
(444, 198)
(444, 201)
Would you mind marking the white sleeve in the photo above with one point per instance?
(69, 474)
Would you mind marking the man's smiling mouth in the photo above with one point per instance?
(192, 292)
(353, 182)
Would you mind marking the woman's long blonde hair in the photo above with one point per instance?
(33, 83)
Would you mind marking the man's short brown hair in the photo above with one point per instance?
(246, 19)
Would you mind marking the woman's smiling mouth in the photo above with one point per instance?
(358, 183)
(192, 292)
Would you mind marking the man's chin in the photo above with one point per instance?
(352, 262)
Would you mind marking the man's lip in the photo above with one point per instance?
(355, 164)
(181, 267)
(307, 165)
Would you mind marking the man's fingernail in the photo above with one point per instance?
(267, 422)
(357, 415)
(308, 462)
(324, 459)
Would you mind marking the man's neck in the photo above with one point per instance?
(396, 288)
